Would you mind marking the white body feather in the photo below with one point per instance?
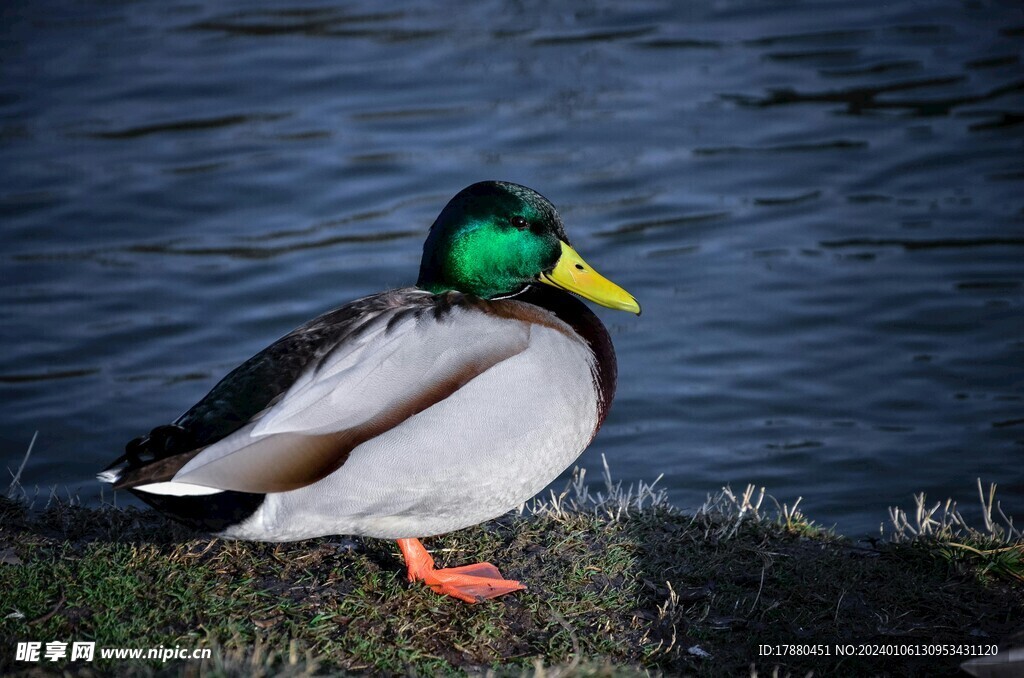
(471, 456)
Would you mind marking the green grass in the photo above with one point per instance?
(617, 586)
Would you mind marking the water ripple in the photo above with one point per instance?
(835, 145)
(311, 21)
(684, 220)
(861, 99)
(944, 243)
(45, 376)
(191, 125)
(593, 36)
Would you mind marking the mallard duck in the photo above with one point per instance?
(407, 413)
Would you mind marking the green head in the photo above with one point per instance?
(491, 240)
(495, 238)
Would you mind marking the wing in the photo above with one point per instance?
(252, 387)
(394, 365)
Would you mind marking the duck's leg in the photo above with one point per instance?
(470, 583)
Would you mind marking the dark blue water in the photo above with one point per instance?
(820, 206)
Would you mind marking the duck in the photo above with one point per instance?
(408, 413)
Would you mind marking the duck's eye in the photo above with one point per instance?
(520, 223)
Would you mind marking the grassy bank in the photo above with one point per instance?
(617, 584)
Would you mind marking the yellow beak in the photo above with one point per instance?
(573, 274)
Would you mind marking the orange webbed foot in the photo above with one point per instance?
(469, 583)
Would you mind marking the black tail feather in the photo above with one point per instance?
(208, 513)
(162, 441)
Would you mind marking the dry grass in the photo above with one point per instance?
(620, 583)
